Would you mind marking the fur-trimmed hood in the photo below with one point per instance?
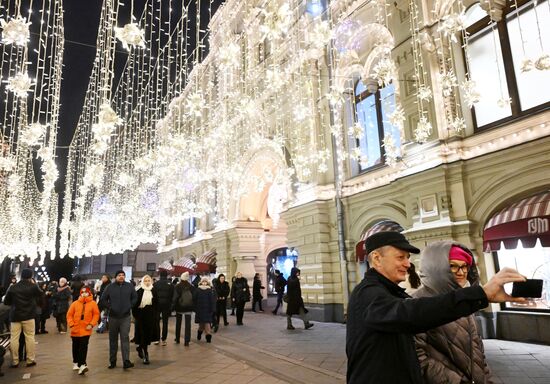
(435, 273)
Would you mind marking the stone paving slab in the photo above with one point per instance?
(262, 351)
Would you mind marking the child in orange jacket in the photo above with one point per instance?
(82, 316)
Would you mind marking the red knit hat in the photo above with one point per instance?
(87, 289)
(457, 253)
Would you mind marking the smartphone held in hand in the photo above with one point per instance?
(530, 288)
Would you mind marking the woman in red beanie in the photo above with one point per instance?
(452, 353)
(82, 316)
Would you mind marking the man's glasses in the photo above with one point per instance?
(455, 268)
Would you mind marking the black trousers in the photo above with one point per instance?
(187, 332)
(80, 349)
(165, 313)
(239, 305)
(254, 301)
(221, 311)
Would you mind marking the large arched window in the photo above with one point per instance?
(372, 108)
(502, 58)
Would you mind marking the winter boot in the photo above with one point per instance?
(289, 325)
(146, 358)
(199, 335)
(208, 338)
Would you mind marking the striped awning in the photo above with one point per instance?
(207, 262)
(381, 226)
(526, 220)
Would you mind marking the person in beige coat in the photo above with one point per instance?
(452, 353)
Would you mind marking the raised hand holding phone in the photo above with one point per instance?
(494, 288)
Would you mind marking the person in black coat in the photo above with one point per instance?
(204, 299)
(222, 293)
(165, 292)
(76, 286)
(280, 284)
(295, 305)
(146, 317)
(182, 303)
(257, 292)
(61, 297)
(240, 295)
(383, 319)
(23, 297)
(45, 305)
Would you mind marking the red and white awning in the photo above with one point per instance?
(382, 226)
(527, 220)
(207, 262)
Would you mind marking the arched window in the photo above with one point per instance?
(372, 107)
(501, 57)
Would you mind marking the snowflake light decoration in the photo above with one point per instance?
(384, 71)
(131, 35)
(230, 56)
(276, 22)
(194, 104)
(527, 65)
(504, 102)
(15, 31)
(20, 84)
(107, 116)
(356, 131)
(457, 125)
(392, 152)
(451, 25)
(364, 161)
(356, 153)
(321, 35)
(470, 93)
(33, 133)
(423, 130)
(7, 164)
(448, 82)
(543, 63)
(424, 93)
(397, 117)
(336, 96)
(49, 172)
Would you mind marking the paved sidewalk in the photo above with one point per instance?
(262, 351)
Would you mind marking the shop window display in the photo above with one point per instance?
(534, 263)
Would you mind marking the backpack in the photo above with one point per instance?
(186, 299)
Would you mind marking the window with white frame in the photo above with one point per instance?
(506, 59)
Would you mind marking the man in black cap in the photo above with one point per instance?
(23, 297)
(382, 318)
(119, 297)
(165, 293)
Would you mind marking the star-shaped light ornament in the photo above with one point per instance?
(448, 82)
(451, 25)
(470, 93)
(15, 31)
(457, 125)
(7, 164)
(20, 84)
(131, 36)
(194, 104)
(397, 117)
(391, 151)
(230, 56)
(356, 131)
(423, 130)
(384, 71)
(543, 63)
(424, 93)
(33, 133)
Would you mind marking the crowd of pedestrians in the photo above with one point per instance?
(112, 304)
(431, 336)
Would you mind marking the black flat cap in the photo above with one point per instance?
(395, 239)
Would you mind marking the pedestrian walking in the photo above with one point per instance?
(232, 301)
(45, 308)
(295, 305)
(240, 295)
(382, 318)
(280, 284)
(165, 292)
(204, 299)
(104, 316)
(61, 298)
(453, 352)
(257, 292)
(22, 297)
(146, 317)
(222, 293)
(183, 305)
(119, 297)
(82, 317)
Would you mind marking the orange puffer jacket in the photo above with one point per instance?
(77, 322)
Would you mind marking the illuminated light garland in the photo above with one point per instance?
(384, 71)
(33, 134)
(391, 150)
(423, 130)
(16, 31)
(470, 93)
